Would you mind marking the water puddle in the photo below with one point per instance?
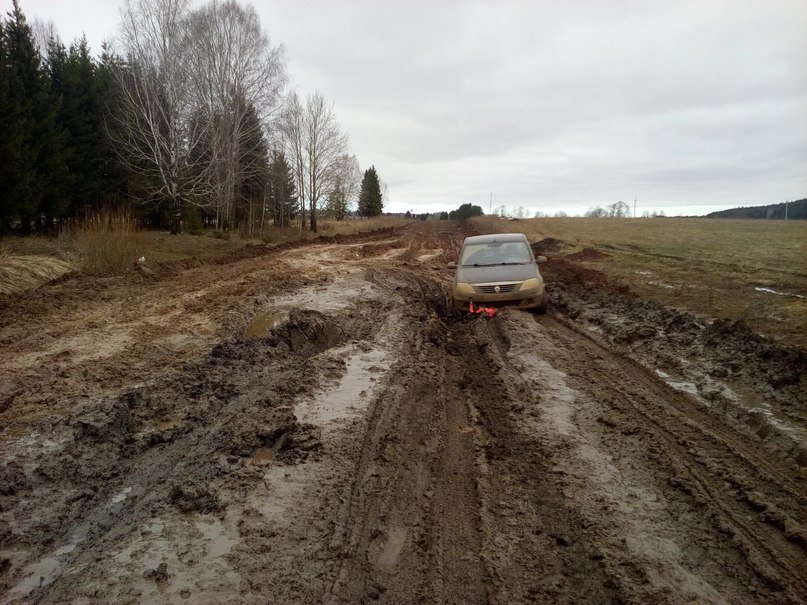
(263, 456)
(218, 541)
(121, 495)
(44, 571)
(194, 549)
(283, 490)
(263, 323)
(751, 402)
(168, 424)
(679, 385)
(431, 255)
(333, 296)
(660, 284)
(743, 402)
(352, 393)
(777, 293)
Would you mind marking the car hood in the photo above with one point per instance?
(497, 273)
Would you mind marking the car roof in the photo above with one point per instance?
(496, 237)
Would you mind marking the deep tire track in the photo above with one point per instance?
(705, 461)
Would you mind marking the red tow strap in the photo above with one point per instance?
(489, 311)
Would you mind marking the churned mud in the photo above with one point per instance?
(315, 424)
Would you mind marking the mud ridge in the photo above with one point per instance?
(724, 364)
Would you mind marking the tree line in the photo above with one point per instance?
(796, 210)
(190, 121)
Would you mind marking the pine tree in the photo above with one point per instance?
(370, 200)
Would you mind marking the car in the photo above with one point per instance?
(497, 270)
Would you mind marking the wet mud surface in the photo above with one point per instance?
(316, 425)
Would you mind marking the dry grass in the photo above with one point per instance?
(111, 243)
(711, 267)
(20, 273)
(108, 243)
(361, 225)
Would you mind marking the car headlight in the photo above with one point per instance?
(463, 289)
(531, 284)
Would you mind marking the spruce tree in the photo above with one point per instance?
(370, 200)
(281, 194)
(73, 77)
(36, 166)
(254, 171)
(21, 63)
(117, 181)
(9, 131)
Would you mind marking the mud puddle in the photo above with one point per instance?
(264, 322)
(333, 296)
(365, 367)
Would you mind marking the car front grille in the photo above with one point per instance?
(491, 288)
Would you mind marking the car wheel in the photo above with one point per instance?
(544, 304)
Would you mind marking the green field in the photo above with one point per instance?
(710, 266)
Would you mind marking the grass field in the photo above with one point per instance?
(753, 270)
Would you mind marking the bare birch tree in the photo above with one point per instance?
(291, 128)
(345, 185)
(235, 74)
(198, 89)
(323, 144)
(153, 132)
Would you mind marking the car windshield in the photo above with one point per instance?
(495, 253)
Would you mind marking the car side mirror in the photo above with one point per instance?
(540, 259)
(452, 265)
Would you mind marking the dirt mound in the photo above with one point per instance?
(21, 273)
(560, 270)
(369, 250)
(547, 245)
(588, 255)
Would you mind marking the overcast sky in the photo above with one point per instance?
(686, 106)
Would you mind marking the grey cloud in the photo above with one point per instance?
(566, 104)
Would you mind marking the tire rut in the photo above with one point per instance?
(410, 524)
(710, 463)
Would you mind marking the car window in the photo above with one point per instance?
(496, 253)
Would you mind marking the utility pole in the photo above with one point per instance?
(490, 207)
(634, 206)
(786, 205)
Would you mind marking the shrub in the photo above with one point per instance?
(108, 242)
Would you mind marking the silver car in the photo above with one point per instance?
(499, 269)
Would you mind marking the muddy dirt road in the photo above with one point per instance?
(314, 425)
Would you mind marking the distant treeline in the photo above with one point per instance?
(464, 212)
(790, 210)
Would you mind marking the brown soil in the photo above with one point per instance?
(588, 254)
(314, 424)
